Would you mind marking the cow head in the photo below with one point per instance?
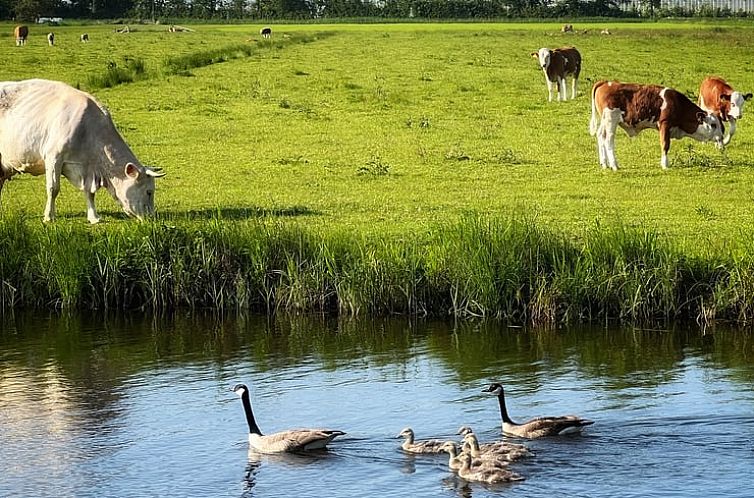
(736, 101)
(544, 57)
(135, 192)
(710, 128)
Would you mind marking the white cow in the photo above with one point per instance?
(49, 128)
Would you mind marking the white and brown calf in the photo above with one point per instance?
(636, 107)
(718, 97)
(557, 64)
(21, 33)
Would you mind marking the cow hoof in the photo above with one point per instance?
(94, 221)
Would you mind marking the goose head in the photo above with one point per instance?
(471, 440)
(463, 430)
(450, 447)
(494, 389)
(240, 389)
(406, 433)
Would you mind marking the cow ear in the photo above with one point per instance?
(535, 55)
(725, 97)
(701, 116)
(747, 96)
(132, 171)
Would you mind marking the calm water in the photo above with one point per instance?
(142, 407)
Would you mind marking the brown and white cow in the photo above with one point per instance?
(266, 32)
(21, 33)
(636, 107)
(52, 129)
(718, 97)
(557, 64)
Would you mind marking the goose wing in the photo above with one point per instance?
(426, 446)
(507, 451)
(295, 440)
(552, 426)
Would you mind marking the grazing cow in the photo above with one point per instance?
(567, 28)
(605, 32)
(51, 39)
(638, 107)
(84, 37)
(718, 98)
(266, 32)
(21, 33)
(557, 64)
(49, 128)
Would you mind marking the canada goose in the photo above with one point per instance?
(285, 441)
(536, 427)
(496, 451)
(511, 451)
(489, 475)
(454, 461)
(411, 446)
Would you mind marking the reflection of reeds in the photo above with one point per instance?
(475, 267)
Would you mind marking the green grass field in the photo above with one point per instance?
(394, 131)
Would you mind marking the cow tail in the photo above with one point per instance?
(593, 123)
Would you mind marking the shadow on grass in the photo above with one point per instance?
(236, 213)
(239, 213)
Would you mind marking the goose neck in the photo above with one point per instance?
(504, 409)
(253, 427)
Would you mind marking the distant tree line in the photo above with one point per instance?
(29, 10)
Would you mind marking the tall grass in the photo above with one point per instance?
(511, 269)
(130, 69)
(183, 63)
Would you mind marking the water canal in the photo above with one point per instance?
(140, 406)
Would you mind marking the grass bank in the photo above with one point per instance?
(511, 269)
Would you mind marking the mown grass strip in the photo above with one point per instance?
(509, 269)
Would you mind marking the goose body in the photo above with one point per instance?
(536, 427)
(410, 445)
(509, 451)
(293, 440)
(455, 463)
(495, 451)
(489, 475)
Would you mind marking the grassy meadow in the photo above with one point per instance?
(406, 168)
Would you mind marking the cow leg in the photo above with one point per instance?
(664, 143)
(731, 130)
(549, 88)
(611, 119)
(574, 84)
(91, 211)
(562, 91)
(53, 168)
(601, 144)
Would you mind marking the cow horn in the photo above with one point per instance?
(154, 172)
